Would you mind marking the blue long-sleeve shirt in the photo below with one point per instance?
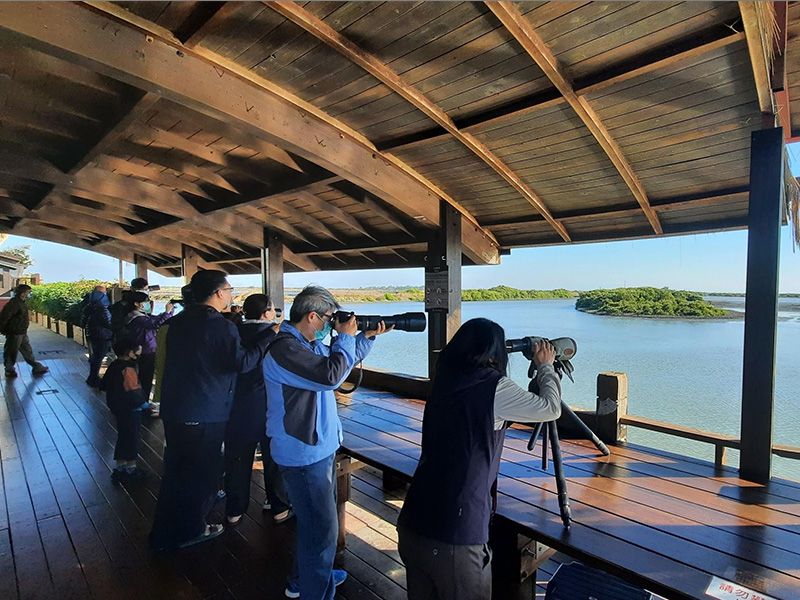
(301, 407)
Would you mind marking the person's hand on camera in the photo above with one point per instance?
(382, 328)
(543, 352)
(350, 327)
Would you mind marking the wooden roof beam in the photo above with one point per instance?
(231, 94)
(521, 30)
(759, 45)
(387, 76)
(780, 81)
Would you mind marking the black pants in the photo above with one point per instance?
(99, 350)
(19, 344)
(127, 447)
(238, 471)
(192, 468)
(147, 369)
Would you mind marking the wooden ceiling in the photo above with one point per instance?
(136, 128)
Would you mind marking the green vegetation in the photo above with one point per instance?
(60, 300)
(503, 292)
(647, 301)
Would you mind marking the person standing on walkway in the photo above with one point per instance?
(97, 324)
(123, 307)
(14, 325)
(443, 528)
(301, 373)
(142, 327)
(203, 356)
(247, 425)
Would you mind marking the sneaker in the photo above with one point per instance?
(234, 519)
(41, 370)
(266, 505)
(284, 516)
(339, 576)
(221, 494)
(210, 533)
(12, 373)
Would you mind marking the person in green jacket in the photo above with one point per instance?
(14, 325)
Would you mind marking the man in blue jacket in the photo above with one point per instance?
(203, 356)
(301, 372)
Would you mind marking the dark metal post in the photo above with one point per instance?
(443, 283)
(272, 267)
(761, 304)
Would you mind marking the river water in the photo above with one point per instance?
(681, 371)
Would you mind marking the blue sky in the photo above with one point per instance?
(712, 262)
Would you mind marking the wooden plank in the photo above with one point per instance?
(759, 45)
(333, 211)
(513, 20)
(386, 75)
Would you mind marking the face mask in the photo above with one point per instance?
(321, 335)
(146, 307)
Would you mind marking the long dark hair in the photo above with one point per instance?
(478, 344)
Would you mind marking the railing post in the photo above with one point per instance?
(612, 405)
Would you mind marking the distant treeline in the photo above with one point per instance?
(503, 292)
(647, 301)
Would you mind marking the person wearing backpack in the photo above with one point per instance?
(142, 327)
(97, 324)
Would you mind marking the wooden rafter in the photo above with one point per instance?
(333, 211)
(384, 74)
(232, 94)
(522, 31)
(759, 45)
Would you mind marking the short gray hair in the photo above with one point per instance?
(313, 298)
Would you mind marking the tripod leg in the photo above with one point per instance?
(545, 431)
(561, 480)
(537, 430)
(566, 410)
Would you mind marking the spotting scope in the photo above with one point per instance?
(410, 321)
(565, 347)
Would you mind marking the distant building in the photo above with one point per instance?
(11, 274)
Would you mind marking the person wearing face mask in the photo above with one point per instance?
(247, 425)
(14, 325)
(141, 326)
(203, 355)
(125, 398)
(301, 372)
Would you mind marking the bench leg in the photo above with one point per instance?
(515, 559)
(342, 496)
(392, 482)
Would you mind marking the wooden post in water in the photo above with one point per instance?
(443, 283)
(141, 266)
(761, 303)
(272, 267)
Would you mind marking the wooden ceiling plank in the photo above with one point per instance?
(384, 74)
(521, 30)
(277, 223)
(333, 211)
(231, 94)
(297, 214)
(304, 263)
(759, 45)
(125, 167)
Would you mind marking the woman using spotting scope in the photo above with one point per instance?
(444, 525)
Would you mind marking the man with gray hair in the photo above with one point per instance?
(301, 372)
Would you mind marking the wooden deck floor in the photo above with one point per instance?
(66, 532)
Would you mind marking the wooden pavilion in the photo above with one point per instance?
(298, 136)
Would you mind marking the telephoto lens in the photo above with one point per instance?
(410, 321)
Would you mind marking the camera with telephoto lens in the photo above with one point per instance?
(410, 321)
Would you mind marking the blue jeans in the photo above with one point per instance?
(312, 492)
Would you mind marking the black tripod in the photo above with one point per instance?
(549, 431)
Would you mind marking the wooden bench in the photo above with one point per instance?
(662, 522)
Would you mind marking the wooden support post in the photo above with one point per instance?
(121, 276)
(343, 478)
(515, 559)
(443, 283)
(761, 304)
(272, 267)
(141, 266)
(612, 405)
(189, 263)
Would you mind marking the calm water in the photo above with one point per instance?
(686, 372)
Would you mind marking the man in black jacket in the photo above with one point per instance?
(203, 356)
(14, 325)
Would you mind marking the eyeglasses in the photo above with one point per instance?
(227, 288)
(323, 316)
